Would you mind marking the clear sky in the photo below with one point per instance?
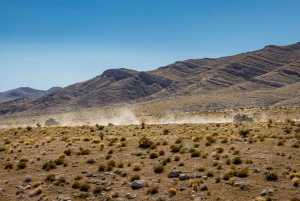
(45, 43)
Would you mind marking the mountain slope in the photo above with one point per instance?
(252, 75)
(24, 92)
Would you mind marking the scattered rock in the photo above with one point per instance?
(130, 196)
(256, 170)
(184, 177)
(136, 184)
(174, 174)
(107, 189)
(84, 171)
(268, 192)
(203, 187)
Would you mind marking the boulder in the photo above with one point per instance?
(51, 122)
(136, 184)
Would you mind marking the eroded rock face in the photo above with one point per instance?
(51, 122)
(242, 117)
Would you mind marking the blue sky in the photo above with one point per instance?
(45, 43)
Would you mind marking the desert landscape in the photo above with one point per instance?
(119, 100)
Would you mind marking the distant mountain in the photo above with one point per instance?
(24, 92)
(265, 77)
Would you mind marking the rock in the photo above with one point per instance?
(51, 122)
(64, 198)
(118, 171)
(89, 175)
(136, 184)
(256, 170)
(184, 177)
(107, 189)
(130, 196)
(268, 192)
(119, 199)
(182, 188)
(84, 171)
(174, 174)
(204, 177)
(203, 187)
(19, 192)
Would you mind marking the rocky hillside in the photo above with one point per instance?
(24, 92)
(262, 76)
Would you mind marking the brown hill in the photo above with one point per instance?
(270, 76)
(24, 92)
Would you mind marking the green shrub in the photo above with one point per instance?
(159, 169)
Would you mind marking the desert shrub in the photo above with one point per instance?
(159, 169)
(78, 177)
(177, 158)
(166, 131)
(144, 142)
(161, 152)
(97, 190)
(242, 173)
(21, 165)
(153, 190)
(76, 185)
(49, 165)
(101, 168)
(210, 139)
(111, 163)
(236, 160)
(280, 143)
(135, 177)
(9, 165)
(201, 169)
(227, 175)
(210, 173)
(165, 142)
(83, 195)
(109, 168)
(120, 165)
(85, 187)
(50, 178)
(136, 167)
(175, 149)
(178, 140)
(196, 145)
(219, 149)
(61, 181)
(196, 139)
(181, 164)
(195, 154)
(68, 152)
(172, 191)
(294, 199)
(153, 155)
(111, 151)
(271, 176)
(83, 151)
(59, 161)
(91, 161)
(244, 133)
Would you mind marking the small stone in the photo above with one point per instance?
(256, 170)
(84, 171)
(174, 174)
(267, 192)
(107, 189)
